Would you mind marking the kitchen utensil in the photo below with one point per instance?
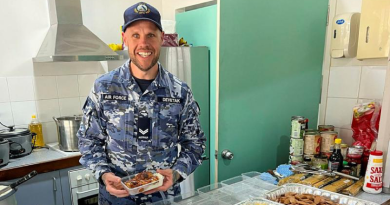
(4, 152)
(19, 182)
(19, 141)
(7, 198)
(67, 128)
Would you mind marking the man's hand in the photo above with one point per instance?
(113, 185)
(170, 177)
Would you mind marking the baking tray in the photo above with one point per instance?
(303, 189)
(145, 187)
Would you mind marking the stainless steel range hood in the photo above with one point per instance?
(68, 39)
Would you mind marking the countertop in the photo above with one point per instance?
(42, 160)
(51, 159)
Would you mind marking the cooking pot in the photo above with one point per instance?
(7, 198)
(67, 128)
(19, 141)
(4, 152)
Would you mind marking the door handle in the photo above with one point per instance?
(227, 154)
(54, 184)
(367, 33)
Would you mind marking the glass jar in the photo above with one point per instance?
(344, 149)
(321, 162)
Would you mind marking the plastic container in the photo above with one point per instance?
(219, 193)
(36, 127)
(373, 178)
(143, 188)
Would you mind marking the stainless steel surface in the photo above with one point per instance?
(67, 128)
(68, 39)
(227, 154)
(297, 188)
(4, 152)
(7, 198)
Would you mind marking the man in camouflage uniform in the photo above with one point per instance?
(140, 117)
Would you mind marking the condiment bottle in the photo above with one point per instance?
(336, 159)
(373, 178)
(36, 127)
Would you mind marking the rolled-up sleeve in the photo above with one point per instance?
(92, 137)
(191, 139)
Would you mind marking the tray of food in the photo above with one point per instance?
(305, 195)
(141, 182)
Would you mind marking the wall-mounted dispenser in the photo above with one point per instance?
(345, 34)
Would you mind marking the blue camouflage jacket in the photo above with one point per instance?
(125, 131)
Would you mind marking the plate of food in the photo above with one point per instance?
(142, 182)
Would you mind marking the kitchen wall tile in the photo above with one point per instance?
(20, 88)
(45, 87)
(4, 97)
(86, 83)
(47, 109)
(82, 101)
(68, 86)
(344, 82)
(49, 131)
(339, 112)
(70, 106)
(22, 111)
(373, 82)
(345, 135)
(6, 114)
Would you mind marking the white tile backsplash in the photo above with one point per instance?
(339, 112)
(373, 82)
(70, 106)
(22, 111)
(345, 135)
(86, 83)
(344, 82)
(49, 131)
(20, 88)
(47, 109)
(82, 101)
(45, 87)
(6, 114)
(4, 96)
(67, 86)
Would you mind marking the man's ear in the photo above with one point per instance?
(124, 37)
(162, 37)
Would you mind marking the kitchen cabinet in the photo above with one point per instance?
(43, 189)
(48, 188)
(374, 31)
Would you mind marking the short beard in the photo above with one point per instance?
(146, 69)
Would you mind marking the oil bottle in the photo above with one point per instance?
(36, 127)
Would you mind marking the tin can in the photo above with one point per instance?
(312, 143)
(325, 128)
(327, 141)
(296, 147)
(298, 126)
(295, 159)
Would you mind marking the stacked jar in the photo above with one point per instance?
(354, 156)
(312, 141)
(327, 142)
(298, 126)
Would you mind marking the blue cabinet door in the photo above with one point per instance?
(43, 189)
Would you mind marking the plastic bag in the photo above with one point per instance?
(365, 123)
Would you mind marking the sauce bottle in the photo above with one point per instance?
(36, 127)
(336, 159)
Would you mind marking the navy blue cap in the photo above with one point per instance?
(141, 11)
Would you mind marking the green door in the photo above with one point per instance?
(271, 54)
(199, 28)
